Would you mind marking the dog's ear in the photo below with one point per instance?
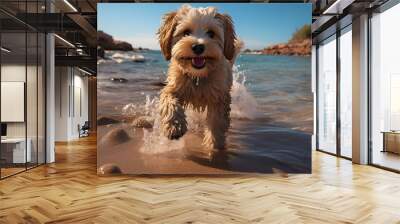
(165, 34)
(229, 35)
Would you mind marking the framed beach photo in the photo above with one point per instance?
(204, 88)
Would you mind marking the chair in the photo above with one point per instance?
(84, 130)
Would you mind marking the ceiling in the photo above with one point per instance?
(75, 21)
(330, 15)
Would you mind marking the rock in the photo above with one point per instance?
(107, 42)
(108, 169)
(138, 58)
(247, 51)
(142, 49)
(106, 121)
(160, 84)
(143, 122)
(115, 136)
(122, 46)
(121, 80)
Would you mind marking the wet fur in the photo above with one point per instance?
(211, 92)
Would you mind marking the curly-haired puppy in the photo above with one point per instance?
(201, 45)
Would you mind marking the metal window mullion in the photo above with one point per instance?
(45, 95)
(26, 86)
(37, 91)
(317, 97)
(338, 92)
(369, 79)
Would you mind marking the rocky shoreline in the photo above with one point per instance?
(301, 48)
(298, 48)
(106, 42)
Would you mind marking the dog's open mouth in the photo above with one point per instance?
(199, 62)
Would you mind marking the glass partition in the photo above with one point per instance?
(22, 77)
(327, 95)
(13, 94)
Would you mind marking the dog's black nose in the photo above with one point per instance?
(198, 48)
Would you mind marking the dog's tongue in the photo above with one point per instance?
(198, 61)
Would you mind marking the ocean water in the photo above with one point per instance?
(271, 114)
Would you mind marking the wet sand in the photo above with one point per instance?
(283, 151)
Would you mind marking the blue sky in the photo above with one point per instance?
(257, 24)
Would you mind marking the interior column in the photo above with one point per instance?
(360, 90)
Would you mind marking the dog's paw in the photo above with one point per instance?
(213, 141)
(175, 129)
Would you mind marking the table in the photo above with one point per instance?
(391, 141)
(15, 148)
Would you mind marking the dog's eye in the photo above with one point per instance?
(211, 33)
(186, 33)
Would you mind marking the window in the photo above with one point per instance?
(327, 95)
(385, 89)
(346, 92)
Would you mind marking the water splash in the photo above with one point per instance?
(154, 142)
(130, 109)
(244, 106)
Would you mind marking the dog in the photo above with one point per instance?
(201, 45)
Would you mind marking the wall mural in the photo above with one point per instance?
(216, 88)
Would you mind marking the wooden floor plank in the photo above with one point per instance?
(69, 191)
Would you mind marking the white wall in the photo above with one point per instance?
(33, 126)
(70, 84)
(80, 110)
(62, 80)
(17, 73)
(11, 73)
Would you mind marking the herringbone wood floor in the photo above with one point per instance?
(69, 191)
